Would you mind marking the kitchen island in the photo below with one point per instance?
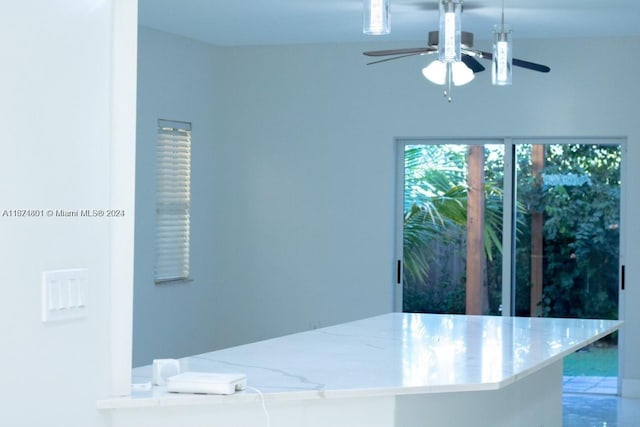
(397, 369)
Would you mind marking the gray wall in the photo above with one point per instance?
(177, 80)
(297, 192)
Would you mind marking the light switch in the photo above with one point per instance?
(65, 294)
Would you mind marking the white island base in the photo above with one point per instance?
(395, 370)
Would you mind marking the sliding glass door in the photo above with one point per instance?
(513, 227)
(567, 251)
(568, 242)
(452, 228)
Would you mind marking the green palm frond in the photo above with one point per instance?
(436, 205)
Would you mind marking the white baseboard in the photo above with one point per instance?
(630, 388)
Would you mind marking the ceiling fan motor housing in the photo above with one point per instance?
(466, 39)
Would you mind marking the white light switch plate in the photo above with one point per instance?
(65, 294)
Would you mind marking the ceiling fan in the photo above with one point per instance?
(469, 54)
(457, 60)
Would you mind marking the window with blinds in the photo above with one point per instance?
(173, 201)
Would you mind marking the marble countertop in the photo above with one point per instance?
(391, 354)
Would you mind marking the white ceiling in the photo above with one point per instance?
(255, 22)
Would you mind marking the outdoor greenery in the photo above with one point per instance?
(579, 196)
(435, 220)
(601, 361)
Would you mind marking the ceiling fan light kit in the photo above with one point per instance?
(376, 17)
(457, 63)
(437, 71)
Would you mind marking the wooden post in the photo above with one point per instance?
(476, 297)
(537, 224)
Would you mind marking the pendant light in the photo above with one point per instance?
(449, 45)
(502, 56)
(449, 69)
(376, 17)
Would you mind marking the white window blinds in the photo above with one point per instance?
(173, 201)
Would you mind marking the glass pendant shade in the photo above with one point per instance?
(461, 73)
(376, 17)
(436, 72)
(502, 59)
(449, 46)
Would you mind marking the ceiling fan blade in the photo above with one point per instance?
(391, 59)
(472, 63)
(518, 63)
(531, 65)
(391, 52)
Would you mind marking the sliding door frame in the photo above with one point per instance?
(509, 199)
